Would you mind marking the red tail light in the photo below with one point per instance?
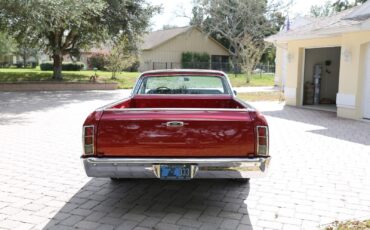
(262, 140)
(88, 140)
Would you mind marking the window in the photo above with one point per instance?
(183, 85)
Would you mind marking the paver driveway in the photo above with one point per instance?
(320, 172)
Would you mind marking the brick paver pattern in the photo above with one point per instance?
(320, 172)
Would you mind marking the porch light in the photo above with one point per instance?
(347, 55)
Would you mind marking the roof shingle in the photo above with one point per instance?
(156, 38)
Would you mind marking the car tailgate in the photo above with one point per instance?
(175, 133)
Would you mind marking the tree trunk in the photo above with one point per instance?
(114, 72)
(24, 60)
(57, 66)
(235, 61)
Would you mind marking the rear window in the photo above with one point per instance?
(183, 85)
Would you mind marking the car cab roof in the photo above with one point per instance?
(174, 72)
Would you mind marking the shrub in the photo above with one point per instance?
(97, 61)
(186, 60)
(67, 66)
(19, 64)
(195, 60)
(46, 66)
(73, 66)
(134, 67)
(201, 60)
(30, 65)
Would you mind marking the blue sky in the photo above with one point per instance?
(173, 9)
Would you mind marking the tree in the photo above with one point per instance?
(251, 53)
(322, 11)
(330, 8)
(25, 49)
(122, 56)
(7, 44)
(63, 27)
(341, 5)
(237, 25)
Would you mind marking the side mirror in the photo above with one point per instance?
(235, 92)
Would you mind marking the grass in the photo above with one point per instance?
(125, 80)
(255, 80)
(349, 225)
(261, 96)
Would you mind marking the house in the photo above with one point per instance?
(163, 49)
(324, 63)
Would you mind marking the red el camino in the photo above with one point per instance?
(177, 125)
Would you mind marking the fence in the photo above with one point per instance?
(223, 66)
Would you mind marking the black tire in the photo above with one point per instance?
(241, 180)
(115, 179)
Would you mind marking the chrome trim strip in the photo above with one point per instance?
(201, 167)
(103, 108)
(183, 70)
(179, 109)
(139, 160)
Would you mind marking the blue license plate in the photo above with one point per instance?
(175, 172)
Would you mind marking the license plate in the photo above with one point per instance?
(175, 172)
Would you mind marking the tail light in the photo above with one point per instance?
(262, 140)
(88, 139)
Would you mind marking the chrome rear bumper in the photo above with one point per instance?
(201, 167)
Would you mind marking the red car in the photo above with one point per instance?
(177, 125)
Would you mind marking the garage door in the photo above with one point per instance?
(367, 84)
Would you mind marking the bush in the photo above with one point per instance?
(134, 67)
(19, 64)
(186, 60)
(67, 66)
(96, 61)
(46, 66)
(30, 65)
(195, 60)
(201, 60)
(73, 66)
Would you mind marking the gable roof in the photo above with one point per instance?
(157, 38)
(324, 26)
(360, 13)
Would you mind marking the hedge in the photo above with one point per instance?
(96, 61)
(67, 66)
(190, 60)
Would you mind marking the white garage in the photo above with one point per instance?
(328, 62)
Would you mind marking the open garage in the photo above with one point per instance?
(321, 78)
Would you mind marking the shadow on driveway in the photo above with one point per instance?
(155, 204)
(21, 102)
(13, 105)
(330, 124)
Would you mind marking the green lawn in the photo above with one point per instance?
(125, 79)
(255, 80)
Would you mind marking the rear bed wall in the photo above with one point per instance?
(191, 102)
